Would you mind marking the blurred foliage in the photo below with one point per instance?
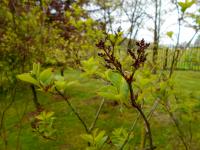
(61, 35)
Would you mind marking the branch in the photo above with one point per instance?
(181, 135)
(96, 116)
(135, 121)
(73, 109)
(7, 107)
(130, 131)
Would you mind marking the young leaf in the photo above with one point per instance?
(90, 66)
(46, 76)
(62, 85)
(118, 137)
(124, 90)
(109, 92)
(114, 77)
(95, 139)
(119, 90)
(36, 69)
(100, 139)
(87, 137)
(28, 78)
(185, 5)
(45, 115)
(170, 34)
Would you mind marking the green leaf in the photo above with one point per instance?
(45, 115)
(114, 77)
(70, 83)
(109, 92)
(90, 66)
(170, 34)
(95, 139)
(118, 137)
(36, 69)
(124, 90)
(185, 5)
(28, 78)
(87, 137)
(46, 76)
(100, 138)
(49, 114)
(119, 90)
(62, 85)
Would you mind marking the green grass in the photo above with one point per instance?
(188, 59)
(69, 128)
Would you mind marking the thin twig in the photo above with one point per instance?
(148, 128)
(181, 134)
(8, 106)
(96, 116)
(73, 110)
(149, 115)
(130, 132)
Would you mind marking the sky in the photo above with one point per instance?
(170, 24)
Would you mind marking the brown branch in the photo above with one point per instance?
(148, 127)
(138, 57)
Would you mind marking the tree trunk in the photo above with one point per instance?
(155, 41)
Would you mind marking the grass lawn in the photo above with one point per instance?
(19, 135)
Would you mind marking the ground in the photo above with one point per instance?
(19, 134)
